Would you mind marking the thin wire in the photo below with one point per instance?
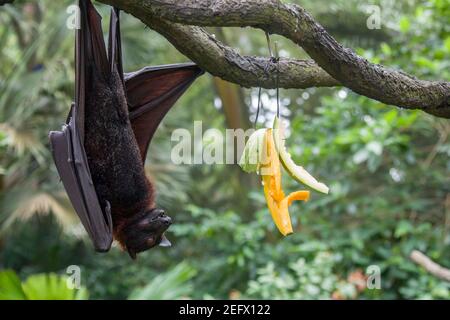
(268, 44)
(259, 105)
(276, 60)
(278, 91)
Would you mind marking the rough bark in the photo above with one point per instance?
(225, 62)
(293, 22)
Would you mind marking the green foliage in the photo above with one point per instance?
(173, 284)
(38, 287)
(35, 91)
(10, 286)
(426, 287)
(300, 280)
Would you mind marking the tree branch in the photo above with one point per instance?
(429, 265)
(293, 22)
(225, 62)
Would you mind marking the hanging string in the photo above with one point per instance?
(258, 107)
(268, 44)
(278, 91)
(273, 59)
(266, 68)
(276, 59)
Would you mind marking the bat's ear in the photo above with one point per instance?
(114, 43)
(165, 242)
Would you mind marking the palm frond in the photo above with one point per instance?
(41, 204)
(22, 141)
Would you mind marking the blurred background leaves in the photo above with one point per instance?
(173, 284)
(38, 287)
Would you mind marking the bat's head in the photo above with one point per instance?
(147, 232)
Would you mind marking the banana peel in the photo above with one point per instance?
(295, 171)
(277, 202)
(265, 154)
(271, 167)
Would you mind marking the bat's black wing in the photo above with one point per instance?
(152, 91)
(68, 144)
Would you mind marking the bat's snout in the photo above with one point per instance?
(166, 220)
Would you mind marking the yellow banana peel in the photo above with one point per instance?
(277, 202)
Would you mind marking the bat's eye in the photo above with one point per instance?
(162, 214)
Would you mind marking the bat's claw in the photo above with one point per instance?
(165, 242)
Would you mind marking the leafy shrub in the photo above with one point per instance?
(38, 287)
(300, 280)
(173, 284)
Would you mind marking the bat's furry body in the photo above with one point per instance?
(113, 154)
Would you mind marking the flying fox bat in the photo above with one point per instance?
(101, 150)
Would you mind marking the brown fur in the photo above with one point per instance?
(113, 154)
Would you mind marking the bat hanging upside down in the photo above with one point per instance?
(100, 152)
